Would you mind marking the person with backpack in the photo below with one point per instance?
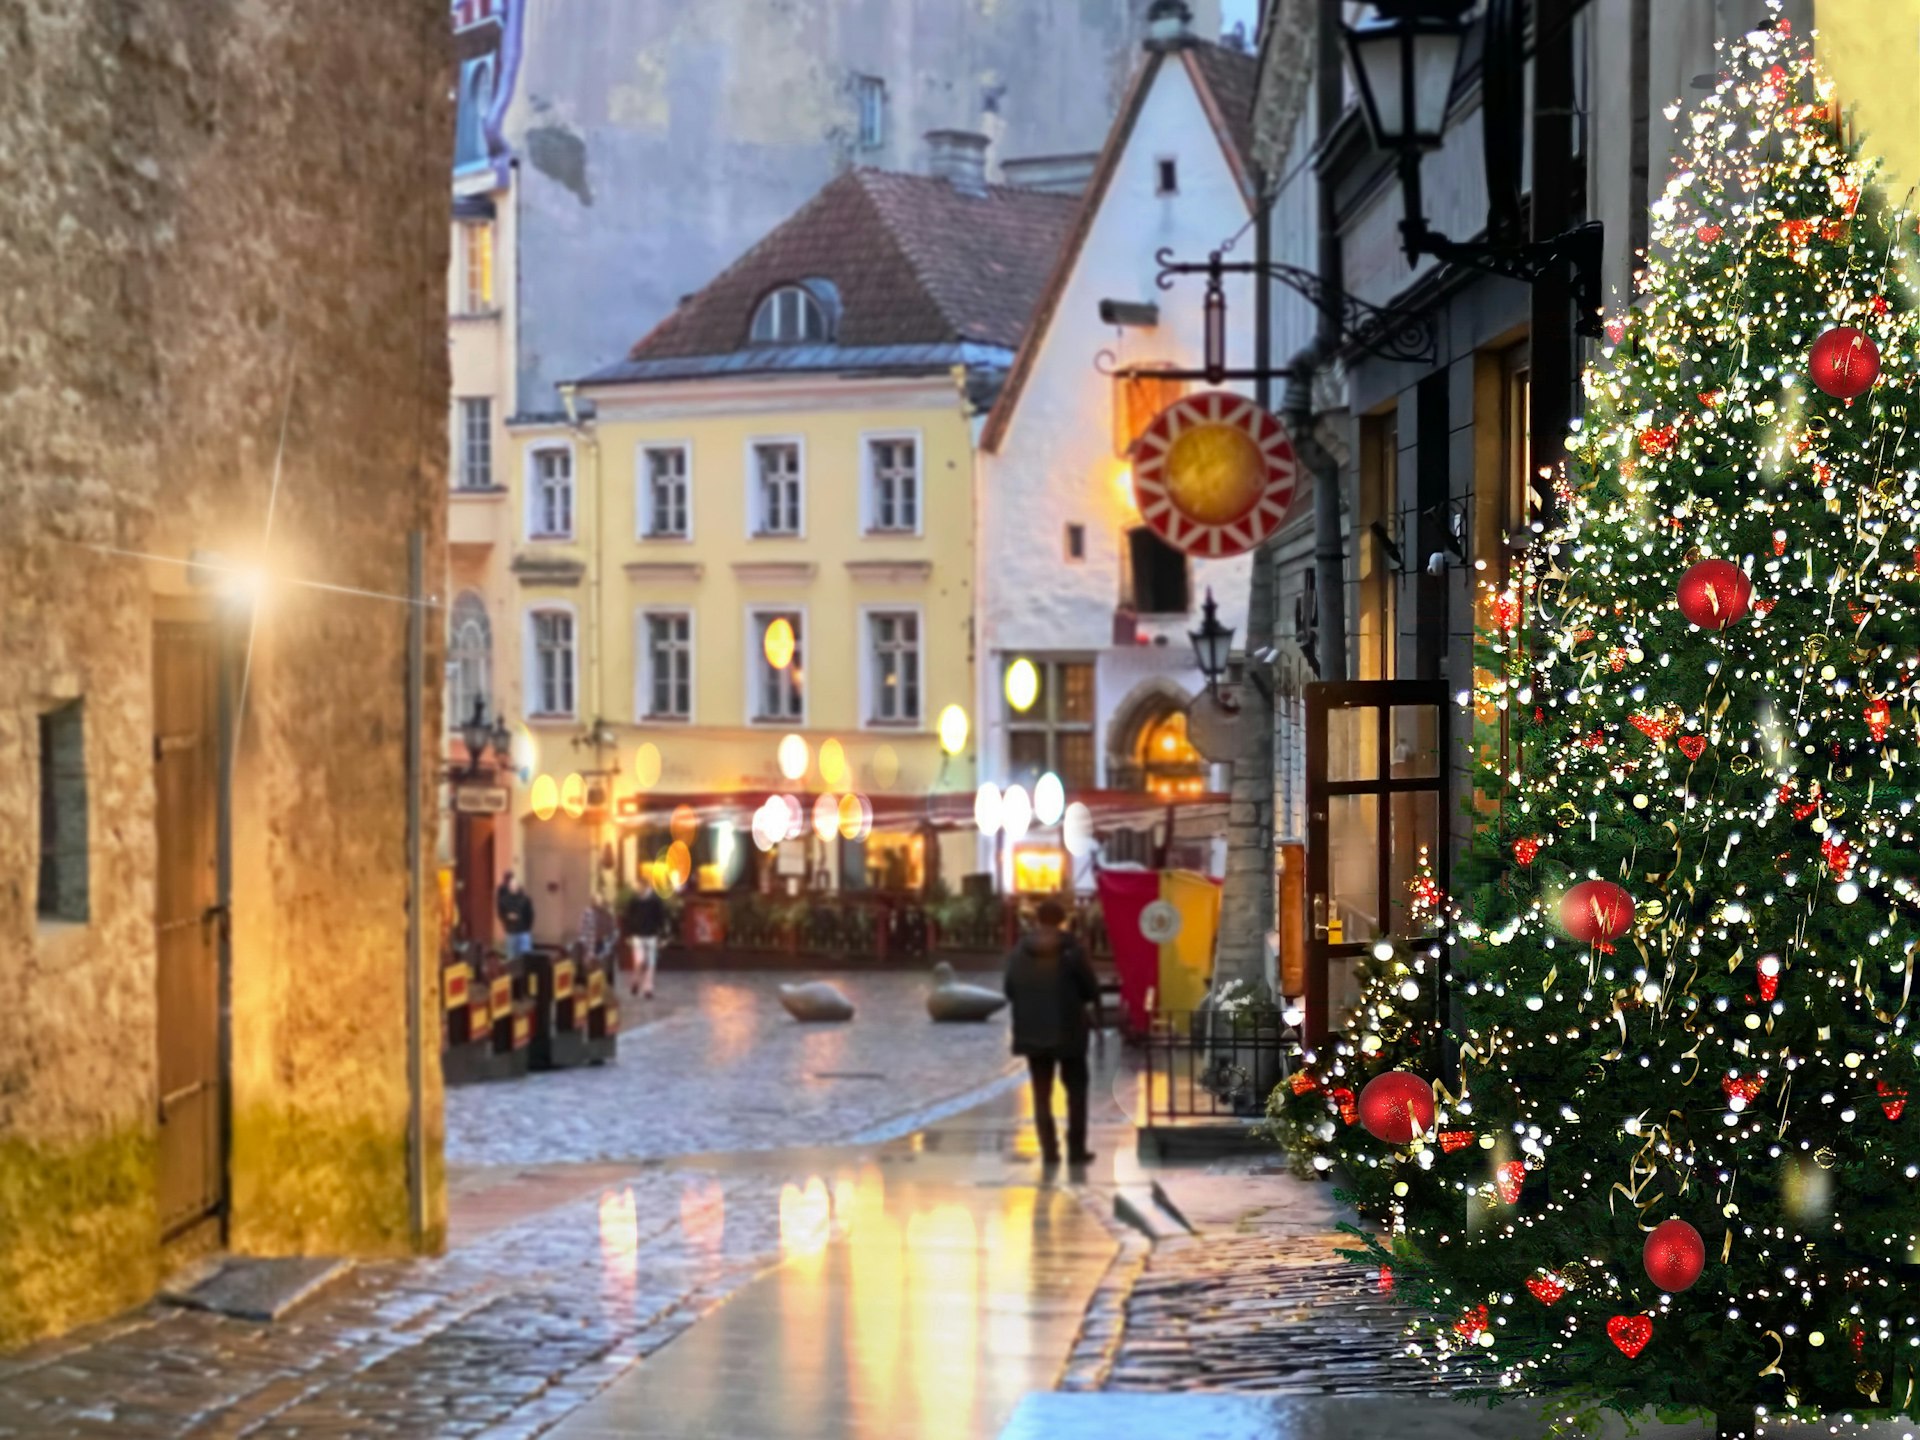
(1052, 987)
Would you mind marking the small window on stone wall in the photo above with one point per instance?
(63, 815)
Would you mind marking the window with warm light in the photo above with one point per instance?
(894, 667)
(1170, 768)
(1138, 399)
(778, 691)
(1038, 871)
(896, 862)
(1056, 732)
(476, 269)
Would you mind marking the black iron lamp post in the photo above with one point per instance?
(478, 735)
(1403, 59)
(1212, 645)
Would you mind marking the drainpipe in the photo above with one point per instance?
(587, 446)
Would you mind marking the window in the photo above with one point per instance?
(1157, 574)
(1167, 176)
(550, 494)
(668, 659)
(1138, 400)
(475, 470)
(893, 641)
(474, 100)
(469, 658)
(871, 92)
(476, 254)
(663, 496)
(776, 488)
(1379, 520)
(893, 485)
(778, 691)
(791, 315)
(1076, 543)
(552, 659)
(1056, 732)
(63, 815)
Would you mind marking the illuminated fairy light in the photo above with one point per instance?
(987, 808)
(794, 757)
(779, 643)
(1023, 685)
(1049, 800)
(953, 730)
(646, 765)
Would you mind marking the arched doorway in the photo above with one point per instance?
(1148, 747)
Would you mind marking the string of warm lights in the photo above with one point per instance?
(1686, 941)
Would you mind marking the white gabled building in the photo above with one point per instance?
(1070, 578)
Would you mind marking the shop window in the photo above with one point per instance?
(63, 815)
(1056, 732)
(896, 862)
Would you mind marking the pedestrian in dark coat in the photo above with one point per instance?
(643, 922)
(515, 908)
(1052, 988)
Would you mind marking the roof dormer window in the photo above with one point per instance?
(791, 315)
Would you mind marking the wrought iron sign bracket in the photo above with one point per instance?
(1402, 335)
(1579, 249)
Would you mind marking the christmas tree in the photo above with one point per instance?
(1684, 966)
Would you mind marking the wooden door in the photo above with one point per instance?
(188, 927)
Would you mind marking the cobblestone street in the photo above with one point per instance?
(576, 1248)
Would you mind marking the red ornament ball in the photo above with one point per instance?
(1844, 362)
(1674, 1255)
(1596, 911)
(1396, 1106)
(1714, 594)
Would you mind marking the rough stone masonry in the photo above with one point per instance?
(220, 220)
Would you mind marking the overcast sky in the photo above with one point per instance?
(1247, 10)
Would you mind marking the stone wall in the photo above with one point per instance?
(224, 222)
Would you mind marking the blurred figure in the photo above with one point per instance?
(1052, 986)
(515, 908)
(598, 933)
(643, 922)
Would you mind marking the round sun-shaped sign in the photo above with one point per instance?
(1214, 474)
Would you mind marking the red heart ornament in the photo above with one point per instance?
(1615, 329)
(1526, 850)
(1508, 1179)
(1471, 1323)
(1693, 746)
(1746, 1087)
(1893, 1100)
(1452, 1140)
(1711, 398)
(1630, 1333)
(1349, 1111)
(1708, 233)
(1654, 727)
(1546, 1288)
(1763, 608)
(1879, 717)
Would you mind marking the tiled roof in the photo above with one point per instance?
(915, 262)
(1226, 81)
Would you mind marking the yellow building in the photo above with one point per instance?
(760, 524)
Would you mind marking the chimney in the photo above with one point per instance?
(1169, 25)
(958, 157)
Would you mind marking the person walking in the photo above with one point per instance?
(598, 933)
(515, 908)
(1051, 987)
(643, 922)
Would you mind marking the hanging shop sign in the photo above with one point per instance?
(481, 800)
(1213, 474)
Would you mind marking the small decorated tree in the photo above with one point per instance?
(1685, 972)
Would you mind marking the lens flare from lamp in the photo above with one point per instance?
(646, 765)
(1076, 830)
(953, 730)
(987, 807)
(1049, 799)
(778, 643)
(1023, 684)
(526, 753)
(677, 863)
(1016, 813)
(833, 764)
(794, 757)
(544, 798)
(573, 795)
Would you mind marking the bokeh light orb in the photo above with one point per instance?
(856, 817)
(544, 798)
(1016, 812)
(833, 764)
(953, 729)
(778, 643)
(886, 767)
(677, 864)
(826, 816)
(986, 808)
(794, 756)
(1076, 830)
(646, 765)
(1049, 799)
(1023, 684)
(685, 824)
(573, 795)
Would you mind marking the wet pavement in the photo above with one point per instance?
(724, 1068)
